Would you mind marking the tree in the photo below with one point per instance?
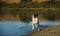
(25, 1)
(52, 1)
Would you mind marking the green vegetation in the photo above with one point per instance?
(30, 4)
(45, 9)
(25, 14)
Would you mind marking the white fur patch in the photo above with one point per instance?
(34, 20)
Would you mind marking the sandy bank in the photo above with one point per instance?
(52, 31)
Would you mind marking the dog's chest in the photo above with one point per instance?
(34, 20)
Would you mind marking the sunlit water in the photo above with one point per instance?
(13, 28)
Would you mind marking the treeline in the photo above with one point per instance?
(49, 14)
(25, 14)
(29, 4)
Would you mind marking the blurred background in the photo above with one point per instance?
(16, 10)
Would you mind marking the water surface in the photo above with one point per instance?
(13, 28)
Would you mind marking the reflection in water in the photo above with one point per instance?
(10, 28)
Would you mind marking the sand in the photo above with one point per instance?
(52, 31)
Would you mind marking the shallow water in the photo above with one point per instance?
(13, 28)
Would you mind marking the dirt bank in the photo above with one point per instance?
(53, 31)
(9, 17)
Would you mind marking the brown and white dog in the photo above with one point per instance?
(35, 22)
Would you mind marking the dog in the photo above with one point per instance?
(35, 22)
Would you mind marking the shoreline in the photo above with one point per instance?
(52, 31)
(10, 17)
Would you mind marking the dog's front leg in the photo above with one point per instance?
(32, 26)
